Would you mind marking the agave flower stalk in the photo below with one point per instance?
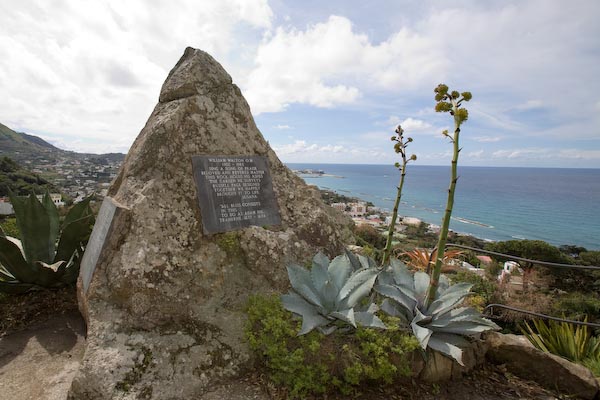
(400, 148)
(448, 102)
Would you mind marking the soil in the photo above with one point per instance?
(42, 340)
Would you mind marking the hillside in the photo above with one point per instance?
(23, 147)
(21, 181)
(74, 174)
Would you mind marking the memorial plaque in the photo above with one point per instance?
(234, 192)
(95, 244)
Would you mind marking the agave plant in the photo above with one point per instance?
(329, 294)
(423, 260)
(573, 342)
(444, 324)
(49, 253)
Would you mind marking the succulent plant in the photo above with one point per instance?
(331, 292)
(441, 326)
(48, 254)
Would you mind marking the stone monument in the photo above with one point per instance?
(163, 293)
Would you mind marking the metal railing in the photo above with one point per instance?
(544, 263)
(490, 308)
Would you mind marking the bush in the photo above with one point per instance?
(578, 306)
(481, 286)
(317, 364)
(370, 235)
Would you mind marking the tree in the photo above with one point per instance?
(532, 249)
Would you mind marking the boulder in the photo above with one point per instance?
(553, 372)
(165, 304)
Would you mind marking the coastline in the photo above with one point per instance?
(492, 204)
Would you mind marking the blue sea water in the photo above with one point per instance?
(559, 206)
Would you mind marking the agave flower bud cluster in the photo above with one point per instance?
(400, 146)
(451, 102)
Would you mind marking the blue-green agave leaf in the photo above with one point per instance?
(340, 270)
(450, 298)
(329, 295)
(311, 318)
(443, 284)
(389, 307)
(369, 320)
(298, 276)
(456, 314)
(398, 295)
(318, 272)
(386, 277)
(421, 284)
(467, 328)
(422, 334)
(357, 287)
(366, 262)
(310, 295)
(402, 276)
(345, 315)
(446, 348)
(354, 261)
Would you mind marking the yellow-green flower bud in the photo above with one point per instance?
(408, 140)
(393, 138)
(466, 95)
(397, 165)
(413, 157)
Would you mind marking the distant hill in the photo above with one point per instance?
(23, 147)
(20, 180)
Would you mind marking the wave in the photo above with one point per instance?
(471, 222)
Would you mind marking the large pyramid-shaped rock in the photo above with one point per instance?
(165, 303)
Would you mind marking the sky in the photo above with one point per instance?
(327, 81)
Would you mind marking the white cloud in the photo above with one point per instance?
(529, 105)
(547, 153)
(326, 64)
(301, 151)
(410, 125)
(95, 69)
(282, 127)
(475, 154)
(487, 139)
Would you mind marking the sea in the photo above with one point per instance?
(556, 205)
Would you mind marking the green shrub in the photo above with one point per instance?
(481, 286)
(315, 363)
(10, 228)
(578, 306)
(593, 363)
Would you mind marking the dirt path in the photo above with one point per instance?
(39, 363)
